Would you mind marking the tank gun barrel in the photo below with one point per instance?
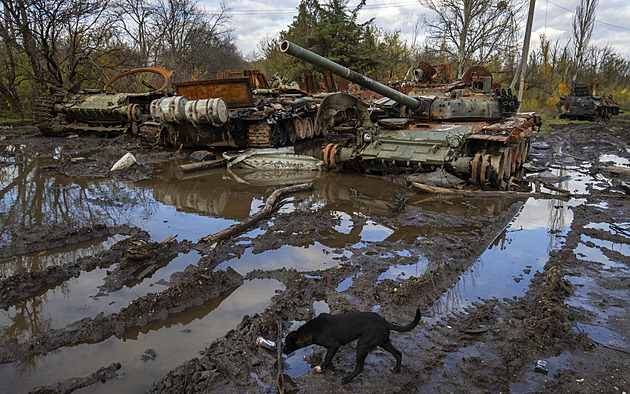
(353, 76)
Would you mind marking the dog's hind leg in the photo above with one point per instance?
(362, 353)
(395, 352)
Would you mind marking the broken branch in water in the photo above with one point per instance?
(265, 211)
(481, 193)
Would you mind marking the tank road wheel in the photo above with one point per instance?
(300, 130)
(43, 115)
(486, 169)
(282, 132)
(259, 135)
(511, 161)
(524, 152)
(292, 131)
(475, 169)
(498, 168)
(308, 126)
(316, 130)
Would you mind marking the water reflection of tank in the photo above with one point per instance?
(371, 197)
(469, 129)
(211, 194)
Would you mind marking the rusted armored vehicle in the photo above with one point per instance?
(581, 104)
(468, 129)
(242, 111)
(98, 109)
(260, 115)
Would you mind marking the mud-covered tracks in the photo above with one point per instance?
(496, 166)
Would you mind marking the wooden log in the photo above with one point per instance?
(621, 171)
(480, 193)
(266, 210)
(201, 166)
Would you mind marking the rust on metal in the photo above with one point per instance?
(166, 74)
(236, 92)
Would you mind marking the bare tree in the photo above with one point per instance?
(9, 78)
(473, 30)
(583, 21)
(186, 31)
(136, 21)
(59, 37)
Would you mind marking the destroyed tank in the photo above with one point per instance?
(581, 105)
(259, 115)
(469, 129)
(96, 109)
(238, 112)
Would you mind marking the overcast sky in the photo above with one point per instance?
(254, 19)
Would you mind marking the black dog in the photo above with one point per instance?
(332, 331)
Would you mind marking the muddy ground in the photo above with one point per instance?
(492, 345)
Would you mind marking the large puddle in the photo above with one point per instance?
(196, 206)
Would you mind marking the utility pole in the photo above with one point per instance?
(528, 35)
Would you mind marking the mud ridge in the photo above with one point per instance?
(73, 384)
(39, 239)
(139, 313)
(21, 286)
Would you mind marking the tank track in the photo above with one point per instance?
(259, 135)
(43, 115)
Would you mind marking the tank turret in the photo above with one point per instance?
(469, 128)
(416, 104)
(472, 99)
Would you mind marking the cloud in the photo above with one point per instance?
(253, 20)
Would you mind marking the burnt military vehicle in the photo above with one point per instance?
(468, 129)
(581, 105)
(242, 111)
(96, 110)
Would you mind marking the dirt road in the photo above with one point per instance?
(103, 277)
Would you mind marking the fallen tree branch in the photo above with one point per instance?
(280, 377)
(555, 188)
(265, 211)
(483, 193)
(201, 166)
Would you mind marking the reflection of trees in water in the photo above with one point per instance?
(557, 220)
(452, 300)
(37, 198)
(28, 320)
(36, 261)
(31, 200)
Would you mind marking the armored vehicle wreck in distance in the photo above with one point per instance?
(582, 105)
(469, 129)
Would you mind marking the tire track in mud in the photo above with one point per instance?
(139, 313)
(190, 290)
(20, 286)
(40, 239)
(236, 363)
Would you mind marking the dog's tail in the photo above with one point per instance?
(409, 326)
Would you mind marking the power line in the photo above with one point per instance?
(598, 21)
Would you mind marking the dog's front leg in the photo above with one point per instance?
(330, 353)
